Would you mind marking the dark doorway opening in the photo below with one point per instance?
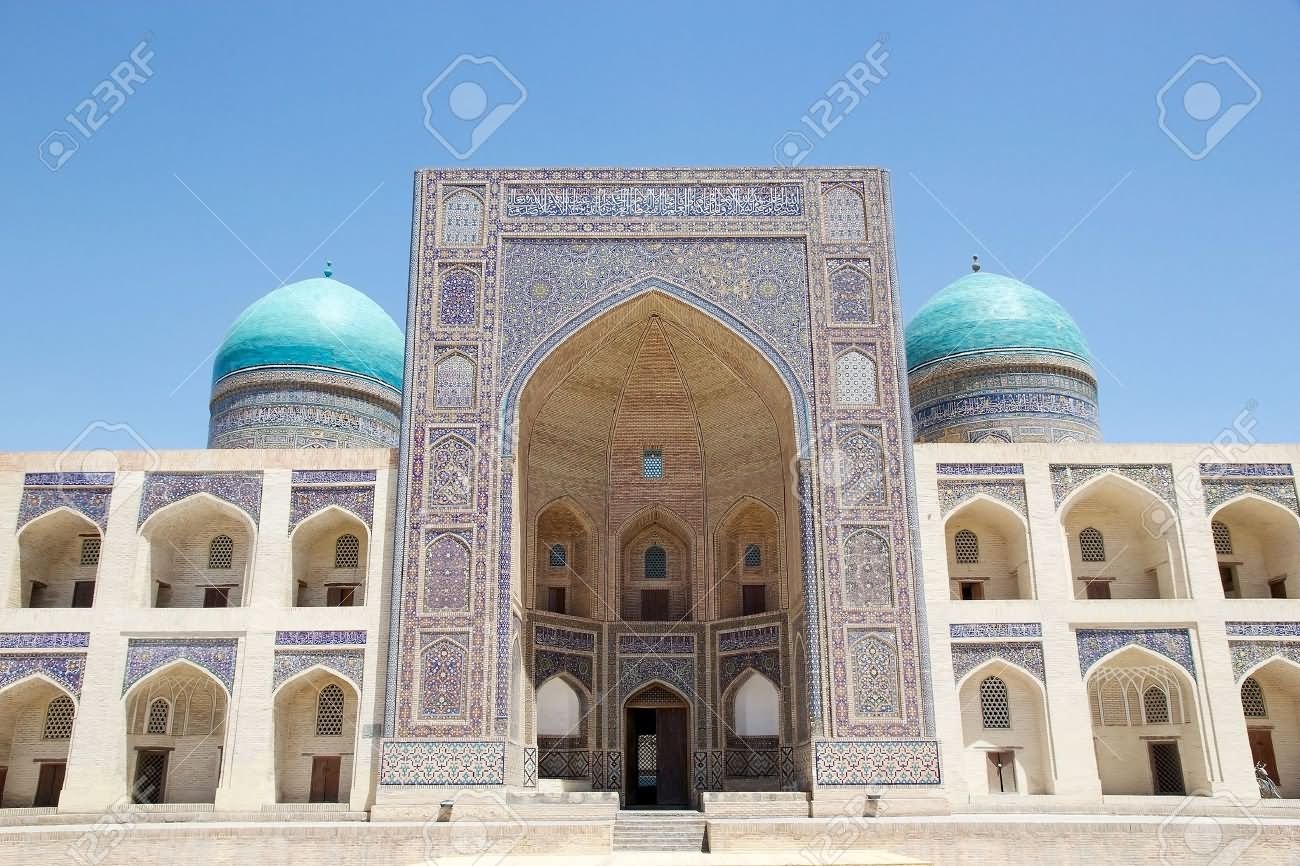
(50, 784)
(658, 733)
(1166, 769)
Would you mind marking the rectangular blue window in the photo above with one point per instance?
(652, 463)
(559, 556)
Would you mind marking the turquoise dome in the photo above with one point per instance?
(984, 312)
(320, 323)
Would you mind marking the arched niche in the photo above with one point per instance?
(563, 732)
(58, 560)
(199, 553)
(315, 737)
(175, 735)
(37, 720)
(749, 557)
(1257, 545)
(1007, 746)
(564, 560)
(330, 551)
(992, 560)
(1271, 709)
(656, 569)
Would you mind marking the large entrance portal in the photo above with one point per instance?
(658, 729)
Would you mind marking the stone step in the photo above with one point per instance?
(659, 831)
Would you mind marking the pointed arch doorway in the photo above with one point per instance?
(656, 721)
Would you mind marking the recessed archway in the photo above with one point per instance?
(657, 732)
(330, 551)
(1004, 731)
(199, 553)
(37, 717)
(175, 735)
(987, 546)
(315, 737)
(1257, 545)
(1270, 705)
(58, 560)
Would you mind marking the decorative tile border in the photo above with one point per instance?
(92, 502)
(306, 501)
(995, 629)
(349, 664)
(1251, 470)
(1158, 478)
(432, 762)
(214, 655)
(1174, 644)
(1249, 654)
(68, 479)
(980, 468)
(241, 489)
(966, 657)
(1281, 492)
(654, 644)
(45, 640)
(333, 476)
(1264, 629)
(530, 766)
(67, 669)
(633, 200)
(562, 638)
(320, 638)
(548, 663)
(876, 762)
(750, 638)
(766, 662)
(956, 493)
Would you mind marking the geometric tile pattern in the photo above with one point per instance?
(1172, 643)
(1251, 470)
(442, 763)
(968, 656)
(92, 502)
(548, 663)
(319, 638)
(874, 672)
(214, 655)
(241, 489)
(1281, 492)
(1249, 654)
(766, 662)
(1157, 478)
(995, 629)
(67, 669)
(45, 640)
(887, 762)
(1264, 629)
(306, 501)
(955, 493)
(348, 664)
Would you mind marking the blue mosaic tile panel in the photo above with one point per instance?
(92, 502)
(349, 664)
(548, 663)
(966, 657)
(68, 479)
(320, 638)
(980, 468)
(1172, 643)
(458, 297)
(885, 762)
(241, 489)
(214, 655)
(1252, 470)
(442, 763)
(953, 494)
(995, 629)
(1281, 492)
(656, 644)
(530, 766)
(334, 476)
(306, 501)
(636, 672)
(66, 669)
(750, 638)
(1157, 478)
(1264, 629)
(563, 638)
(1250, 654)
(45, 640)
(680, 200)
(766, 662)
(444, 676)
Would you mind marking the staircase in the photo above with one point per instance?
(658, 831)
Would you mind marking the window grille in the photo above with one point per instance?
(159, 713)
(90, 546)
(329, 712)
(1092, 547)
(221, 553)
(995, 705)
(1222, 537)
(1155, 706)
(855, 379)
(967, 546)
(753, 556)
(652, 463)
(1252, 699)
(347, 551)
(559, 556)
(656, 562)
(58, 718)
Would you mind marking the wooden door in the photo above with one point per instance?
(654, 605)
(4, 773)
(1261, 749)
(753, 599)
(673, 734)
(83, 593)
(50, 784)
(325, 779)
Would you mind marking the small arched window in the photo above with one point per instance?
(58, 718)
(656, 561)
(1252, 699)
(753, 556)
(995, 704)
(1222, 537)
(1155, 706)
(347, 551)
(558, 556)
(1092, 547)
(966, 546)
(221, 553)
(329, 712)
(159, 715)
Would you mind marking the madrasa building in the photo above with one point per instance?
(656, 503)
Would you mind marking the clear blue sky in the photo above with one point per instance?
(1032, 125)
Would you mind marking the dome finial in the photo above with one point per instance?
(974, 264)
(329, 268)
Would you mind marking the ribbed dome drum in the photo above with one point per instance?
(312, 364)
(992, 359)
